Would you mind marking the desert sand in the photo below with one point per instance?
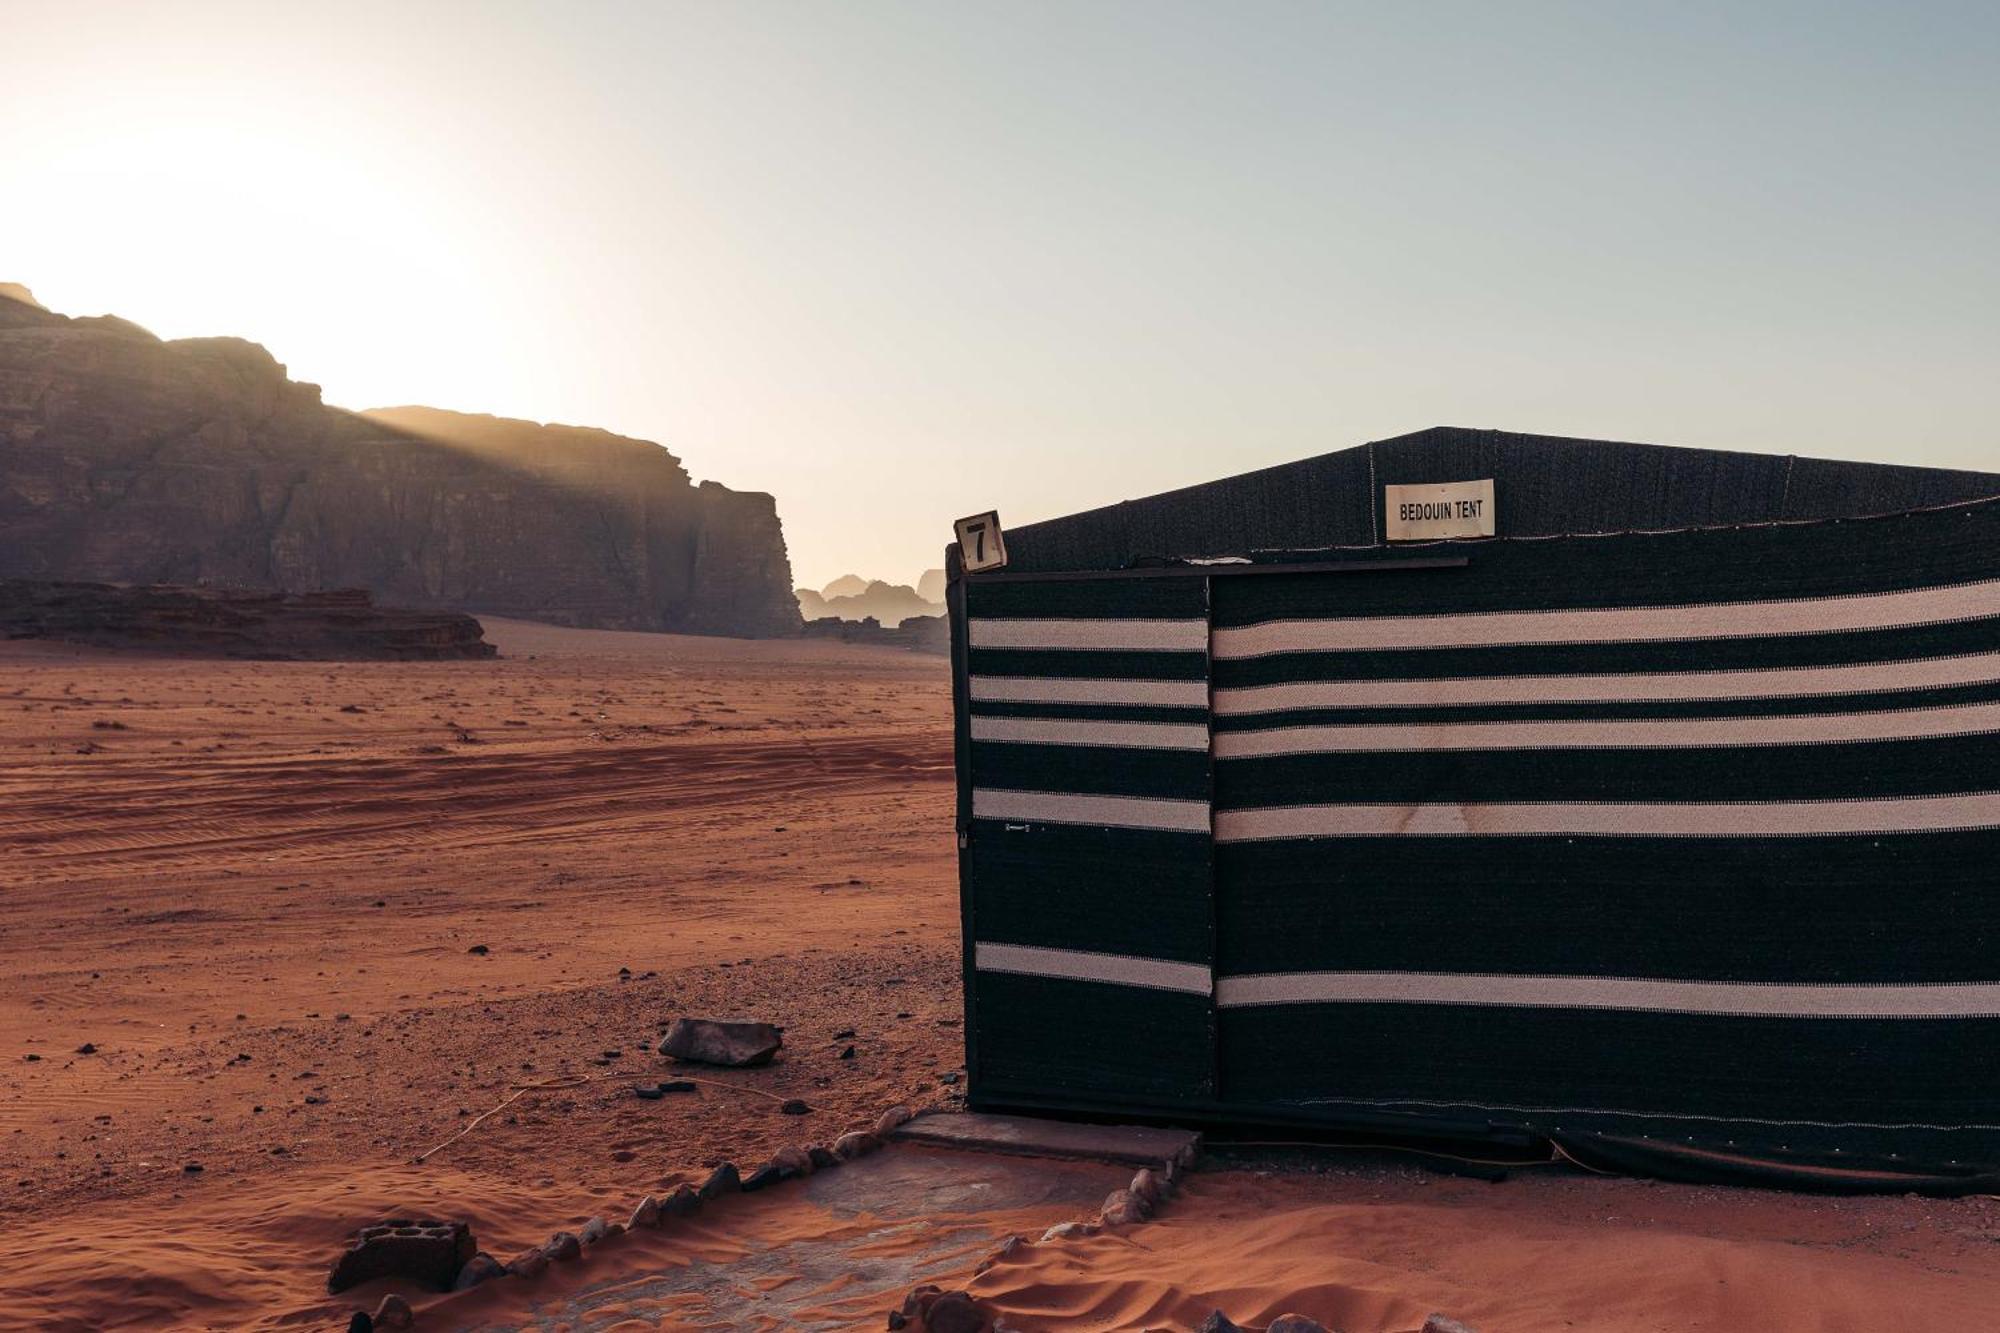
(252, 888)
(241, 903)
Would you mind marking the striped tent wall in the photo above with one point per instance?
(1690, 837)
(1087, 858)
(1685, 836)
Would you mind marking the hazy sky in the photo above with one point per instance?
(897, 263)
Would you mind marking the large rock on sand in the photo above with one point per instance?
(710, 1041)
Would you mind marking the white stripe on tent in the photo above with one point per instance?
(1618, 733)
(1056, 731)
(1076, 965)
(1069, 690)
(1714, 620)
(1774, 683)
(1759, 999)
(1189, 636)
(1748, 819)
(1056, 807)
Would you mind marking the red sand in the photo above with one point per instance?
(199, 884)
(223, 853)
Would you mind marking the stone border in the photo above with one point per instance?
(649, 1213)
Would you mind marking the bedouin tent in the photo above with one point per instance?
(1664, 824)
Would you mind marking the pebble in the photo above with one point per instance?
(723, 1180)
(394, 1312)
(855, 1143)
(480, 1268)
(890, 1119)
(1295, 1323)
(645, 1214)
(1438, 1323)
(681, 1202)
(1124, 1208)
(796, 1107)
(592, 1231)
(360, 1322)
(479, 949)
(562, 1245)
(528, 1263)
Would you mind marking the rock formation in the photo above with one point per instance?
(207, 622)
(850, 598)
(126, 459)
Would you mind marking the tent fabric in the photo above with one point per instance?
(1677, 838)
(1545, 485)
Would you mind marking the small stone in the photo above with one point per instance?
(1148, 1186)
(898, 1320)
(88, 1048)
(1438, 1323)
(793, 1160)
(1069, 1231)
(481, 1268)
(479, 949)
(822, 1158)
(956, 1312)
(528, 1263)
(360, 1322)
(592, 1231)
(1124, 1208)
(723, 1180)
(1295, 1323)
(613, 1230)
(562, 1246)
(394, 1312)
(711, 1041)
(681, 1202)
(855, 1143)
(192, 1169)
(1218, 1322)
(676, 1085)
(645, 1214)
(948, 1079)
(762, 1177)
(648, 1092)
(623, 1155)
(845, 1034)
(847, 1053)
(890, 1119)
(796, 1107)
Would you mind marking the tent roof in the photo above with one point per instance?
(1544, 485)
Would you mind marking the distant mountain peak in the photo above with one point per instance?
(14, 291)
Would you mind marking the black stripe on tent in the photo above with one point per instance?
(1088, 665)
(1858, 770)
(1796, 706)
(1096, 899)
(1049, 1037)
(1180, 775)
(1089, 712)
(1657, 1065)
(1106, 599)
(1606, 659)
(1909, 908)
(1721, 565)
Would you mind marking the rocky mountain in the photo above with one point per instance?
(850, 597)
(128, 459)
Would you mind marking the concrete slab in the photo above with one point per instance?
(1032, 1136)
(833, 1251)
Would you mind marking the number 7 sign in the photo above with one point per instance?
(980, 545)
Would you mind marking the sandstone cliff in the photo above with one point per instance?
(126, 459)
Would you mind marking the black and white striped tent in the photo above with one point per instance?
(1668, 818)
